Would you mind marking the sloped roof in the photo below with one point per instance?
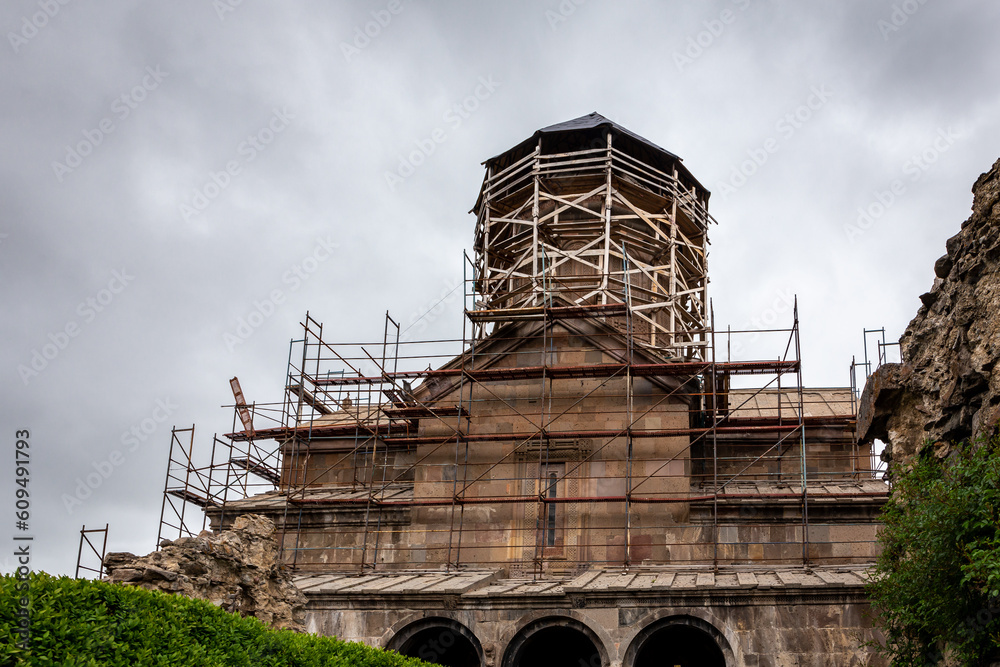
(490, 352)
(640, 146)
(358, 413)
(502, 344)
(591, 121)
(743, 403)
(478, 584)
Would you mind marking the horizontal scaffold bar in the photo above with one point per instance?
(258, 468)
(542, 312)
(418, 411)
(444, 502)
(393, 435)
(194, 498)
(680, 368)
(608, 433)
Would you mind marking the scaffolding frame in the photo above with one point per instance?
(378, 427)
(378, 404)
(235, 468)
(558, 222)
(881, 358)
(92, 551)
(587, 403)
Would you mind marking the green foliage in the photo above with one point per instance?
(936, 586)
(79, 622)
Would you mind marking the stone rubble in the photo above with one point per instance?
(236, 569)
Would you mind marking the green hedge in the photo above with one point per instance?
(936, 586)
(80, 622)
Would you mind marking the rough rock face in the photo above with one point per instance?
(237, 570)
(948, 387)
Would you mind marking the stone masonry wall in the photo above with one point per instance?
(826, 628)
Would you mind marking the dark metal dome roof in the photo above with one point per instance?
(589, 131)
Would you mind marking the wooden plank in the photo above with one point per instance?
(574, 203)
(522, 162)
(310, 399)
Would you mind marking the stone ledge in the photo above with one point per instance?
(487, 585)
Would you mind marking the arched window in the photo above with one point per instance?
(555, 642)
(439, 640)
(679, 641)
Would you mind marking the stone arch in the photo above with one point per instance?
(438, 639)
(556, 641)
(679, 639)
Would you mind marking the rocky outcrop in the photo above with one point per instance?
(236, 569)
(948, 387)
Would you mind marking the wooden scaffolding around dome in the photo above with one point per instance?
(556, 221)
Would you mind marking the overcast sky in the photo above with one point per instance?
(168, 168)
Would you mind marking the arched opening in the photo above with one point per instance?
(554, 642)
(676, 643)
(439, 640)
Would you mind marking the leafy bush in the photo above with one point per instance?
(80, 622)
(936, 585)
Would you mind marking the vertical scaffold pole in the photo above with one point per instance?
(468, 361)
(802, 439)
(715, 445)
(378, 421)
(628, 407)
(543, 438)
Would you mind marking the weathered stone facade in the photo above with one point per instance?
(777, 618)
(756, 518)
